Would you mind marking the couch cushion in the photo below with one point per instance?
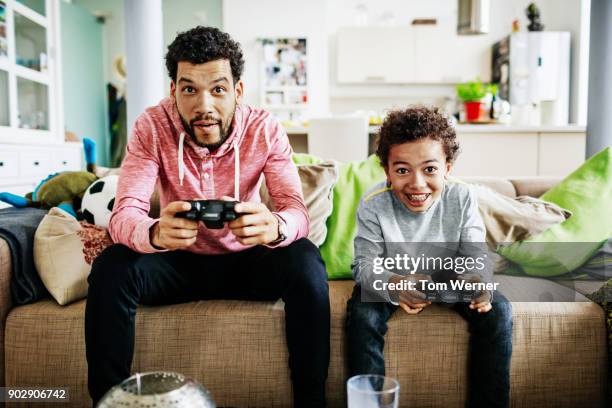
(238, 351)
(533, 186)
(498, 184)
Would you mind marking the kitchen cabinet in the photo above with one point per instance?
(546, 152)
(375, 55)
(497, 155)
(560, 153)
(410, 54)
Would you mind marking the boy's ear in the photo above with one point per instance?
(386, 168)
(449, 168)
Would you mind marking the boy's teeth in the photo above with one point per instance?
(418, 197)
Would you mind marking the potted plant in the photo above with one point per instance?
(471, 94)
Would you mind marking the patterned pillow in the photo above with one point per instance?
(64, 250)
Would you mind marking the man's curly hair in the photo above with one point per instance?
(416, 123)
(204, 44)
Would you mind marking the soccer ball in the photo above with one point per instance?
(99, 200)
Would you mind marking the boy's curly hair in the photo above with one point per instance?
(416, 123)
(204, 44)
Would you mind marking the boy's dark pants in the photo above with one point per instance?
(490, 347)
(121, 279)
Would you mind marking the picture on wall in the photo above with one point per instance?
(3, 44)
(284, 77)
(285, 61)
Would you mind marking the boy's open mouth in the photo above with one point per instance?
(418, 198)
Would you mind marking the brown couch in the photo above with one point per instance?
(237, 349)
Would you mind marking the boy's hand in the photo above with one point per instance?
(482, 302)
(412, 301)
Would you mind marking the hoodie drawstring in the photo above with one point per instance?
(181, 165)
(236, 172)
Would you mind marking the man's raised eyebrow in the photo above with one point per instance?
(220, 79)
(185, 79)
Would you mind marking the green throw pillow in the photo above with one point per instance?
(354, 180)
(587, 193)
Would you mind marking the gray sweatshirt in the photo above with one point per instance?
(450, 229)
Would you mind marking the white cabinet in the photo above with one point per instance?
(520, 154)
(31, 117)
(9, 165)
(23, 167)
(560, 153)
(34, 163)
(375, 55)
(428, 54)
(30, 74)
(497, 155)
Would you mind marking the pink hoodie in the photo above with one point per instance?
(161, 151)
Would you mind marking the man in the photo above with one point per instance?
(201, 142)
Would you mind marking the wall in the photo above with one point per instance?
(178, 15)
(247, 21)
(319, 20)
(599, 129)
(112, 33)
(83, 76)
(185, 14)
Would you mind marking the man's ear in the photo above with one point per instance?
(172, 90)
(238, 88)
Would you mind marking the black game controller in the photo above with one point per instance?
(214, 213)
(448, 295)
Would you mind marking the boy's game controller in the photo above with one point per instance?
(448, 295)
(214, 213)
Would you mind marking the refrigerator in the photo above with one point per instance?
(533, 73)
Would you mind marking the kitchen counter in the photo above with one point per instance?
(465, 128)
(499, 128)
(499, 150)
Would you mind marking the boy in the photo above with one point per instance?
(417, 148)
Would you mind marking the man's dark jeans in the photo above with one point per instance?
(490, 346)
(121, 279)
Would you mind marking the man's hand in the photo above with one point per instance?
(172, 232)
(412, 301)
(257, 225)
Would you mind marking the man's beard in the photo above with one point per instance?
(224, 130)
